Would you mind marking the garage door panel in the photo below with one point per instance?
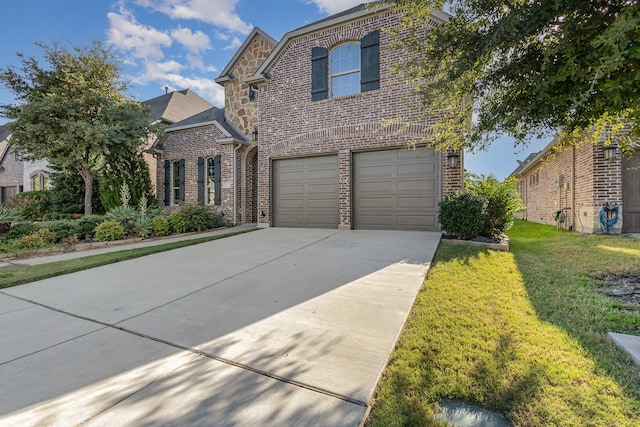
(305, 192)
(396, 189)
(377, 171)
(373, 187)
(418, 187)
(376, 202)
(415, 202)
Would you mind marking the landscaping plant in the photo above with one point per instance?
(501, 199)
(38, 239)
(160, 226)
(462, 214)
(109, 231)
(178, 222)
(33, 205)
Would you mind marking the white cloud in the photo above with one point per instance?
(220, 13)
(235, 43)
(169, 73)
(142, 41)
(334, 6)
(194, 42)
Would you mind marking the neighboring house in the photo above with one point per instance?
(585, 183)
(167, 109)
(18, 175)
(329, 123)
(11, 168)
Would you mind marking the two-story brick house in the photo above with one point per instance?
(323, 127)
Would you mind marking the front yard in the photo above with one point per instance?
(520, 332)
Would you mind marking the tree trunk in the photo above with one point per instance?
(88, 191)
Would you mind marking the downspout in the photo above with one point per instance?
(235, 184)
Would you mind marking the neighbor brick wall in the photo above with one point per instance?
(293, 125)
(596, 183)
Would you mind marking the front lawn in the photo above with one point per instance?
(520, 332)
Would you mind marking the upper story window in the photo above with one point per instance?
(352, 67)
(345, 70)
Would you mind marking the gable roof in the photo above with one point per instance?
(224, 75)
(524, 163)
(175, 106)
(354, 13)
(4, 140)
(213, 116)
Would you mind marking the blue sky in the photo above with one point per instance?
(181, 44)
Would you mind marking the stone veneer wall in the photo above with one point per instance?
(293, 125)
(12, 175)
(238, 109)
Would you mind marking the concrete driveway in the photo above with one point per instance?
(276, 327)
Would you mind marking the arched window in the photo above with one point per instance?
(39, 181)
(345, 69)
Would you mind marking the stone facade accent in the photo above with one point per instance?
(11, 178)
(578, 181)
(241, 111)
(292, 125)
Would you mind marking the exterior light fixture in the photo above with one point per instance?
(610, 152)
(453, 159)
(255, 134)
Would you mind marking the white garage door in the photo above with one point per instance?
(305, 192)
(396, 190)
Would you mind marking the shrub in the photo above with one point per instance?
(55, 216)
(501, 200)
(218, 221)
(63, 229)
(124, 215)
(33, 205)
(133, 171)
(462, 214)
(87, 225)
(38, 239)
(108, 231)
(178, 222)
(8, 214)
(17, 231)
(198, 217)
(160, 226)
(71, 240)
(143, 225)
(67, 192)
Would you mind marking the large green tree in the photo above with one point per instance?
(524, 67)
(72, 111)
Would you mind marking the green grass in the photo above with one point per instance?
(20, 275)
(521, 332)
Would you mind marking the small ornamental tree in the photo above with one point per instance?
(72, 111)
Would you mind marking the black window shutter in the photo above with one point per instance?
(319, 73)
(217, 179)
(201, 180)
(167, 182)
(370, 61)
(181, 180)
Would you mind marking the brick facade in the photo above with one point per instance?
(293, 125)
(189, 144)
(588, 182)
(289, 124)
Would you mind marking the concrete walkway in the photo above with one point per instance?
(278, 327)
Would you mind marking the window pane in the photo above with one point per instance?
(210, 183)
(345, 58)
(346, 84)
(176, 174)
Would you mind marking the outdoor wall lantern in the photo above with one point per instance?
(453, 158)
(610, 151)
(255, 134)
